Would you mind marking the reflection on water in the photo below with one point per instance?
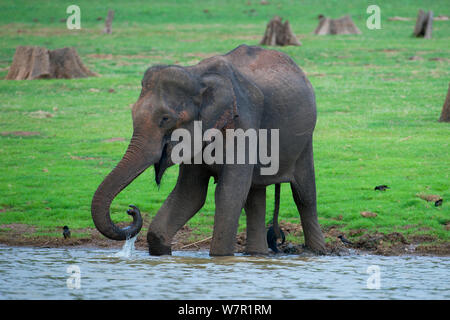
(41, 273)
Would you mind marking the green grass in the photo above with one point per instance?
(377, 110)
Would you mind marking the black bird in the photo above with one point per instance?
(438, 203)
(383, 187)
(66, 232)
(344, 240)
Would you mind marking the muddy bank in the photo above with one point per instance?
(359, 241)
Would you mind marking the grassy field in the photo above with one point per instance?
(377, 110)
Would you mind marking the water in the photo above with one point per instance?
(128, 249)
(42, 273)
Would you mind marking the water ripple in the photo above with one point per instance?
(41, 273)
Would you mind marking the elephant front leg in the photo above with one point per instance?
(184, 201)
(231, 193)
(255, 209)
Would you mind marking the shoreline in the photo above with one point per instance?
(436, 250)
(392, 244)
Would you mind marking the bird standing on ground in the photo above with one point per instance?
(66, 232)
(383, 187)
(344, 240)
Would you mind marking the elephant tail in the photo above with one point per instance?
(278, 233)
(274, 232)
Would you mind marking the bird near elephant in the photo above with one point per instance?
(66, 232)
(249, 89)
(344, 240)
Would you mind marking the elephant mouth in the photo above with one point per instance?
(161, 165)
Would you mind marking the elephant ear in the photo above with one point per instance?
(224, 95)
(218, 107)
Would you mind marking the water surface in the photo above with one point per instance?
(42, 273)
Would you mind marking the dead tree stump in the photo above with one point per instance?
(108, 22)
(31, 63)
(279, 34)
(424, 24)
(344, 25)
(445, 114)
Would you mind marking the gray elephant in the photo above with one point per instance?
(247, 88)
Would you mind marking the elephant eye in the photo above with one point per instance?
(163, 121)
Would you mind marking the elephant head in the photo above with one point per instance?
(172, 97)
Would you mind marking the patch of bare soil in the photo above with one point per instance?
(390, 50)
(439, 59)
(40, 114)
(396, 18)
(361, 240)
(17, 228)
(201, 55)
(20, 133)
(114, 139)
(107, 56)
(16, 234)
(317, 74)
(83, 158)
(441, 18)
(395, 243)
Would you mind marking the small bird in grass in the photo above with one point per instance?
(344, 240)
(66, 232)
(383, 187)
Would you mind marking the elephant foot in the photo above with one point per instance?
(256, 249)
(256, 252)
(221, 254)
(156, 245)
(317, 247)
(219, 251)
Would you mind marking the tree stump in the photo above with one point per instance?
(108, 22)
(31, 63)
(279, 34)
(424, 24)
(445, 114)
(344, 25)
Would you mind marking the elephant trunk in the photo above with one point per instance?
(133, 163)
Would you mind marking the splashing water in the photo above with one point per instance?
(127, 249)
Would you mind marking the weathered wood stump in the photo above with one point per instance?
(40, 63)
(424, 24)
(344, 25)
(279, 34)
(108, 22)
(445, 114)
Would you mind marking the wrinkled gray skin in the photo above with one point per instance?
(249, 87)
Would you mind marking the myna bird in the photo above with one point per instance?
(66, 232)
(344, 240)
(383, 187)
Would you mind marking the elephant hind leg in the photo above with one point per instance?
(304, 193)
(255, 210)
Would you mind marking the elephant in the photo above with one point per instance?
(247, 88)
